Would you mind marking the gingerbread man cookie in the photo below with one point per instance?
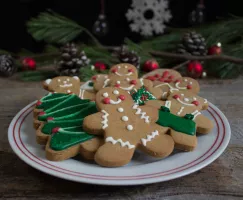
(124, 76)
(59, 126)
(125, 126)
(183, 105)
(67, 85)
(166, 81)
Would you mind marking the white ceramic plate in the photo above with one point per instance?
(141, 170)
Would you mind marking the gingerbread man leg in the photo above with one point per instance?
(204, 125)
(183, 141)
(157, 143)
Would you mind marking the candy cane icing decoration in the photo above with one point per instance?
(149, 137)
(123, 144)
(143, 114)
(105, 121)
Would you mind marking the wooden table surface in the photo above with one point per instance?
(223, 179)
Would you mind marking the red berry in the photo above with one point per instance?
(165, 73)
(94, 78)
(189, 87)
(177, 81)
(133, 82)
(122, 97)
(161, 79)
(151, 78)
(55, 130)
(176, 96)
(130, 70)
(196, 103)
(167, 81)
(171, 77)
(156, 75)
(50, 118)
(42, 113)
(38, 103)
(117, 85)
(106, 100)
(114, 70)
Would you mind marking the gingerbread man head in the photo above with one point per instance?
(123, 70)
(63, 84)
(186, 83)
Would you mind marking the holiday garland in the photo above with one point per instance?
(56, 29)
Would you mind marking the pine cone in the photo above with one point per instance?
(131, 57)
(192, 43)
(71, 60)
(7, 65)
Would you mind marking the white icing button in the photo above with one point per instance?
(118, 82)
(119, 67)
(129, 127)
(105, 94)
(58, 80)
(182, 94)
(194, 98)
(120, 109)
(68, 79)
(125, 118)
(186, 99)
(115, 92)
(185, 80)
(128, 79)
(190, 83)
(125, 66)
(68, 91)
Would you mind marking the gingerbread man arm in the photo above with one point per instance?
(151, 112)
(95, 123)
(155, 103)
(204, 125)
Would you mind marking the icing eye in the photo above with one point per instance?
(176, 96)
(190, 83)
(182, 95)
(125, 66)
(185, 80)
(196, 103)
(194, 98)
(114, 70)
(133, 82)
(106, 76)
(117, 85)
(128, 79)
(118, 82)
(105, 94)
(130, 70)
(189, 87)
(186, 99)
(115, 92)
(119, 67)
(68, 79)
(59, 80)
(122, 97)
(106, 101)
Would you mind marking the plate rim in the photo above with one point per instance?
(22, 114)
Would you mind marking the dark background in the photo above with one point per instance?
(14, 14)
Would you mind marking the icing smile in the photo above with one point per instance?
(127, 88)
(66, 85)
(194, 103)
(110, 101)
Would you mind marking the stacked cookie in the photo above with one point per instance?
(112, 115)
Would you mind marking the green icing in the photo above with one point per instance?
(141, 96)
(180, 124)
(50, 102)
(64, 139)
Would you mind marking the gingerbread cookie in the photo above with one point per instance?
(59, 125)
(67, 85)
(124, 76)
(184, 107)
(125, 126)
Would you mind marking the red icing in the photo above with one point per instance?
(133, 82)
(114, 70)
(38, 103)
(42, 113)
(167, 81)
(117, 85)
(106, 100)
(151, 78)
(171, 77)
(55, 130)
(165, 73)
(130, 70)
(196, 103)
(161, 80)
(156, 75)
(177, 81)
(50, 118)
(122, 97)
(94, 78)
(176, 96)
(189, 87)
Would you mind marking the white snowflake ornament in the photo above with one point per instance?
(148, 16)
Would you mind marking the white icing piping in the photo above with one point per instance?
(168, 104)
(195, 113)
(123, 144)
(149, 137)
(180, 111)
(164, 95)
(86, 86)
(81, 94)
(187, 104)
(177, 86)
(141, 81)
(115, 102)
(171, 88)
(127, 88)
(106, 83)
(128, 74)
(205, 101)
(143, 114)
(66, 85)
(105, 121)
